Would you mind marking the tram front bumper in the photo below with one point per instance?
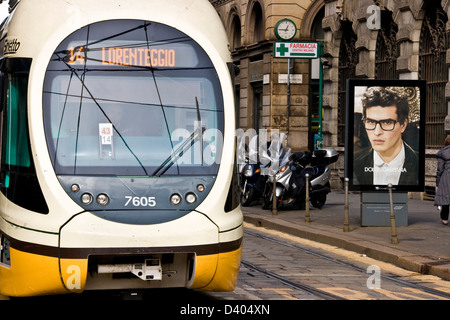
(198, 255)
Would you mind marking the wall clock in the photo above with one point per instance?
(285, 29)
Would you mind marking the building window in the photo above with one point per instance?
(387, 49)
(348, 59)
(235, 32)
(433, 68)
(256, 25)
(257, 105)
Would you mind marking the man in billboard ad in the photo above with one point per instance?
(385, 135)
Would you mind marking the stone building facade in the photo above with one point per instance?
(376, 39)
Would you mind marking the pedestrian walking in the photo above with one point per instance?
(442, 197)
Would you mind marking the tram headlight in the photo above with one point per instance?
(86, 198)
(175, 199)
(191, 198)
(102, 199)
(200, 188)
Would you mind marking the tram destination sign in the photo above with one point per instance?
(133, 54)
(305, 50)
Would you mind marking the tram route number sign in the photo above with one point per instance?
(305, 50)
(106, 133)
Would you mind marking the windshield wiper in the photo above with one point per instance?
(197, 135)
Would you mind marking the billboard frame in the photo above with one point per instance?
(357, 140)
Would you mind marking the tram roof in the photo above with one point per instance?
(35, 26)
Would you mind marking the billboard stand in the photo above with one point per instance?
(376, 209)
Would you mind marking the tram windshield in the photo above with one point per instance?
(132, 98)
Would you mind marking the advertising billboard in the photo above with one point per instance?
(385, 134)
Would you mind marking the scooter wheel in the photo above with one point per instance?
(266, 204)
(319, 200)
(247, 197)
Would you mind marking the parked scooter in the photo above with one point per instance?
(291, 179)
(252, 182)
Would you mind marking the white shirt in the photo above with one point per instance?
(385, 173)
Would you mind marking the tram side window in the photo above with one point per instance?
(19, 181)
(17, 146)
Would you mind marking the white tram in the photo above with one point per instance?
(117, 148)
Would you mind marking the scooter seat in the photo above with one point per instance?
(312, 171)
(301, 157)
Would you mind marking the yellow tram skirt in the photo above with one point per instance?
(36, 275)
(218, 272)
(30, 275)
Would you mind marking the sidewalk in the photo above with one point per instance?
(424, 245)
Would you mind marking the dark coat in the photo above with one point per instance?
(364, 159)
(443, 177)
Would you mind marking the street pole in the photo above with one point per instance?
(346, 223)
(307, 215)
(274, 195)
(394, 238)
(320, 135)
(288, 106)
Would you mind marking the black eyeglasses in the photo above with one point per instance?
(385, 124)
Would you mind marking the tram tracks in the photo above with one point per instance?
(321, 293)
(290, 283)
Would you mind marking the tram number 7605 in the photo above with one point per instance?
(140, 201)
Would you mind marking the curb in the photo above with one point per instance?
(402, 259)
